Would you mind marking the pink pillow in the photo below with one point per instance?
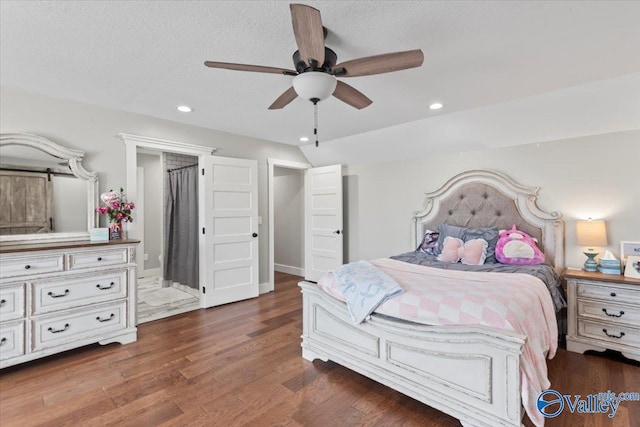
(517, 247)
(472, 252)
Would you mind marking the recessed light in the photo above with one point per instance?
(185, 108)
(304, 139)
(435, 106)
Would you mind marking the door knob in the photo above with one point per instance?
(255, 234)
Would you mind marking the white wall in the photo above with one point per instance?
(95, 129)
(594, 176)
(153, 207)
(288, 205)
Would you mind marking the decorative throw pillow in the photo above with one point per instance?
(490, 235)
(472, 252)
(429, 243)
(517, 247)
(447, 230)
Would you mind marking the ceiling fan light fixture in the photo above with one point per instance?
(185, 109)
(314, 85)
(436, 106)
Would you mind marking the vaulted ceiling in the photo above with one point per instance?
(147, 57)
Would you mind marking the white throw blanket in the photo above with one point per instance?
(364, 288)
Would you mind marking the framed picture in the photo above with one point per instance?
(632, 268)
(628, 248)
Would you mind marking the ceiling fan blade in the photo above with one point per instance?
(245, 67)
(307, 27)
(384, 63)
(284, 99)
(351, 96)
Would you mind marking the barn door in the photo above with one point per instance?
(323, 221)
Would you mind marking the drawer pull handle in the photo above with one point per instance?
(107, 319)
(99, 258)
(57, 331)
(104, 288)
(613, 336)
(52, 295)
(611, 314)
(3, 302)
(27, 266)
(3, 340)
(613, 294)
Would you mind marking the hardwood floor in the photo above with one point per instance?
(241, 364)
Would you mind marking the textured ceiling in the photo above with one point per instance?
(147, 57)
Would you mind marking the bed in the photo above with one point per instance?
(471, 372)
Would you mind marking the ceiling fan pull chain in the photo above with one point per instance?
(315, 121)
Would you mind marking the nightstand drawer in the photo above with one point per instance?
(608, 292)
(610, 312)
(97, 258)
(618, 334)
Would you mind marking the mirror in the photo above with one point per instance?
(45, 192)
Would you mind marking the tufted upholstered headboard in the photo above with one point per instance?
(482, 198)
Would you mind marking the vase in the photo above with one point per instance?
(117, 231)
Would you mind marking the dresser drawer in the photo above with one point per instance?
(90, 322)
(12, 302)
(97, 258)
(11, 340)
(612, 333)
(77, 291)
(608, 292)
(610, 312)
(30, 264)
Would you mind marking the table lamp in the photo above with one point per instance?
(591, 234)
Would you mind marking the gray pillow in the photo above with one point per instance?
(465, 234)
(489, 234)
(449, 230)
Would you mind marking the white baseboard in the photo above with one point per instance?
(263, 288)
(297, 271)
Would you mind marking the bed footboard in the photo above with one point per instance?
(471, 373)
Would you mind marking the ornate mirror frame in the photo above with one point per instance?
(74, 157)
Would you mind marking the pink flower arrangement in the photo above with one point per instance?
(117, 208)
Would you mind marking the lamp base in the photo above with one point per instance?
(590, 264)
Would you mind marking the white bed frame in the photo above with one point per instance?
(469, 372)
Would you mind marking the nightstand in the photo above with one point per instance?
(603, 313)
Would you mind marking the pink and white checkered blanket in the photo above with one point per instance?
(511, 301)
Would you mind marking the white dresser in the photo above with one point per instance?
(59, 296)
(603, 313)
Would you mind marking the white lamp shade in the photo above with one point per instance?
(314, 85)
(591, 233)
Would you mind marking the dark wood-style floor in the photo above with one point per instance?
(241, 364)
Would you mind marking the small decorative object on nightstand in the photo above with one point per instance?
(603, 313)
(591, 234)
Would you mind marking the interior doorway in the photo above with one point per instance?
(160, 294)
(134, 145)
(286, 218)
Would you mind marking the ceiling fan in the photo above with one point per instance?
(316, 69)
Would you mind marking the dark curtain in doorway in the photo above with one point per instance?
(181, 227)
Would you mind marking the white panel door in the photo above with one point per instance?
(230, 259)
(323, 221)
